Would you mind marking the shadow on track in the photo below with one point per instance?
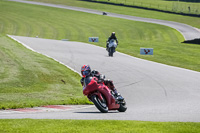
(96, 112)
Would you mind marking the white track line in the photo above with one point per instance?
(42, 54)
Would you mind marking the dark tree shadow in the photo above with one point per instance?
(194, 41)
(191, 1)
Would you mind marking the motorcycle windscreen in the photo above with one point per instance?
(112, 43)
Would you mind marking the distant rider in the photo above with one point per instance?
(111, 37)
(87, 74)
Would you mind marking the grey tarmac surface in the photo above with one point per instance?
(153, 91)
(187, 31)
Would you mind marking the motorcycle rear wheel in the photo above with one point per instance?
(101, 105)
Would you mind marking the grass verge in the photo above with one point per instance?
(174, 6)
(193, 21)
(29, 79)
(86, 126)
(57, 23)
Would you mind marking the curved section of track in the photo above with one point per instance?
(153, 91)
(187, 31)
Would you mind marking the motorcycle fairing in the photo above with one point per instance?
(112, 43)
(100, 89)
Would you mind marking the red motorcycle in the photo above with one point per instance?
(102, 96)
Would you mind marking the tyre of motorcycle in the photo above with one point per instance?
(122, 107)
(111, 51)
(100, 104)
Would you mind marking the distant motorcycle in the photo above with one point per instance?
(104, 13)
(102, 97)
(112, 45)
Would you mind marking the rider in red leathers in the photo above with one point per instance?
(87, 73)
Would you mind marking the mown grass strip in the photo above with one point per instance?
(100, 126)
(29, 79)
(193, 21)
(173, 6)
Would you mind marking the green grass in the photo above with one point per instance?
(178, 6)
(47, 22)
(29, 79)
(193, 21)
(39, 87)
(86, 126)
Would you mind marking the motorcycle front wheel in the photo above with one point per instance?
(100, 104)
(111, 51)
(122, 107)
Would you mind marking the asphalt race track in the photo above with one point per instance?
(153, 91)
(187, 31)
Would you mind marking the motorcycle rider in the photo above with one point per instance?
(88, 74)
(111, 37)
